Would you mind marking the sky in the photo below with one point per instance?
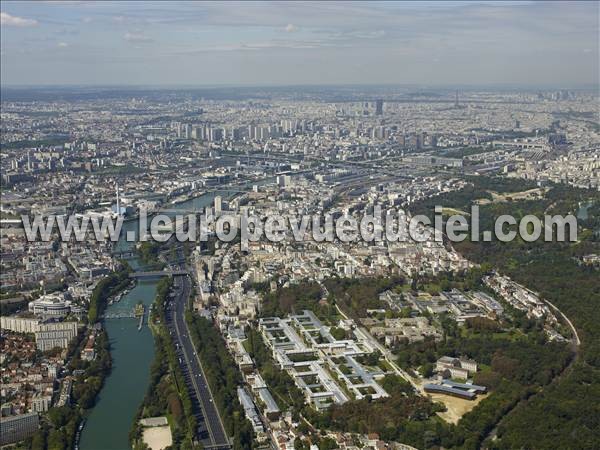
(290, 43)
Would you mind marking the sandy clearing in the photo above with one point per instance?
(157, 438)
(455, 407)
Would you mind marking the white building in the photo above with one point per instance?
(19, 324)
(50, 305)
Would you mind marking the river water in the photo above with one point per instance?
(132, 351)
(582, 213)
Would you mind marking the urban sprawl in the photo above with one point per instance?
(310, 327)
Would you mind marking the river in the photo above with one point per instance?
(582, 213)
(132, 351)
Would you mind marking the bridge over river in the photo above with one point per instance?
(157, 273)
(119, 315)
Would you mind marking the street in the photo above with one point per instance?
(210, 431)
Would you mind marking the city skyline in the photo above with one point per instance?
(295, 43)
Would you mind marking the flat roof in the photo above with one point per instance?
(440, 388)
(467, 386)
(268, 399)
(154, 421)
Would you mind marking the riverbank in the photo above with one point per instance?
(109, 286)
(87, 377)
(132, 353)
(65, 423)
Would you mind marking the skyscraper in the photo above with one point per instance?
(379, 107)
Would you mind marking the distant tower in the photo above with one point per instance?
(456, 100)
(118, 202)
(217, 204)
(379, 107)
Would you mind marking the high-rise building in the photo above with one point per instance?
(235, 134)
(284, 180)
(263, 133)
(378, 132)
(16, 428)
(40, 403)
(379, 107)
(215, 134)
(54, 335)
(217, 204)
(253, 132)
(187, 131)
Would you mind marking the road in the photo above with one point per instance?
(211, 432)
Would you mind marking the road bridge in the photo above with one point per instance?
(157, 273)
(119, 315)
(123, 255)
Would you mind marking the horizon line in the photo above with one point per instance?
(281, 85)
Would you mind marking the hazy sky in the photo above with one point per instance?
(201, 43)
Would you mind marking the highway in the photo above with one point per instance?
(211, 432)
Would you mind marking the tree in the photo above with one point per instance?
(56, 440)
(426, 370)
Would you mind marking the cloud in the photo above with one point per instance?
(476, 41)
(136, 37)
(14, 21)
(258, 46)
(66, 32)
(62, 44)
